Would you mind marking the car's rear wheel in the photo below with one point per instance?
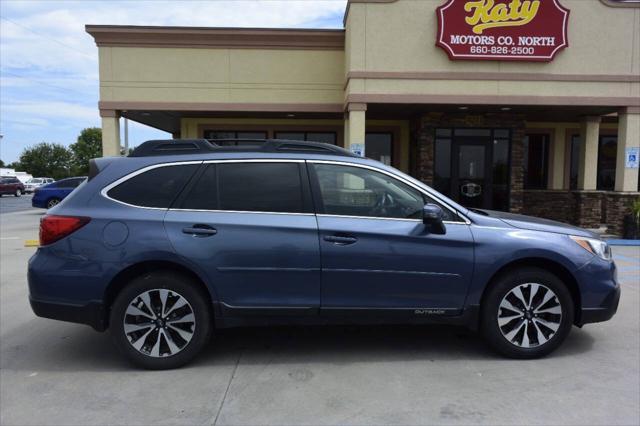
(161, 320)
(18, 192)
(527, 313)
(53, 202)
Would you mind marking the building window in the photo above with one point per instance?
(500, 166)
(536, 165)
(325, 137)
(607, 150)
(606, 167)
(230, 134)
(379, 146)
(442, 161)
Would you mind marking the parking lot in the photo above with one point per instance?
(10, 204)
(59, 373)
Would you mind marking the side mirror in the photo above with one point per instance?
(433, 216)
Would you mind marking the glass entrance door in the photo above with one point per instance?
(472, 166)
(471, 183)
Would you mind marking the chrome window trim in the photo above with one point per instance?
(342, 216)
(107, 188)
(239, 211)
(254, 160)
(131, 175)
(401, 179)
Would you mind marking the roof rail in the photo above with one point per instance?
(172, 147)
(202, 146)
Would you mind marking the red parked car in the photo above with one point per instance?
(11, 186)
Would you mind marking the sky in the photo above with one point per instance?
(49, 64)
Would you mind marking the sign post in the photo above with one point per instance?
(502, 30)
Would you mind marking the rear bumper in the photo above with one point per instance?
(92, 313)
(605, 311)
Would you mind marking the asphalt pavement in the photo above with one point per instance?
(10, 203)
(59, 373)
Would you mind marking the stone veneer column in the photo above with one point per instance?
(588, 163)
(110, 133)
(628, 137)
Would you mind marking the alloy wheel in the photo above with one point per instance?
(159, 323)
(529, 315)
(53, 203)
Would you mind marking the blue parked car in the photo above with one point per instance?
(184, 237)
(50, 195)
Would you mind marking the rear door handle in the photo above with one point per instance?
(200, 230)
(341, 240)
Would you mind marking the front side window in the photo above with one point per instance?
(354, 191)
(154, 188)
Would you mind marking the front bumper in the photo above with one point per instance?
(605, 311)
(92, 313)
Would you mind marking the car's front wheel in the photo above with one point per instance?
(527, 313)
(18, 192)
(161, 320)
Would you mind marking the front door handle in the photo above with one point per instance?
(200, 230)
(341, 240)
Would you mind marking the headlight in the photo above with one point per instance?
(593, 246)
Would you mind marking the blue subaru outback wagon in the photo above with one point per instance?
(186, 236)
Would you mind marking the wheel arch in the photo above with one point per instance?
(543, 263)
(120, 280)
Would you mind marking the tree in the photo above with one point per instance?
(46, 159)
(88, 146)
(1, 163)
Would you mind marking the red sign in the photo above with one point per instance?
(502, 30)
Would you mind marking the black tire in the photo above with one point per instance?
(178, 284)
(495, 335)
(52, 202)
(18, 193)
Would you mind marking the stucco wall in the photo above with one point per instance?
(144, 74)
(400, 36)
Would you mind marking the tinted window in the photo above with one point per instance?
(378, 146)
(260, 187)
(536, 151)
(325, 137)
(353, 191)
(204, 193)
(67, 183)
(155, 188)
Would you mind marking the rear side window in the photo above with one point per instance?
(154, 188)
(253, 187)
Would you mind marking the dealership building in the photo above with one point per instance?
(526, 106)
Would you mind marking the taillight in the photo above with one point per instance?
(53, 228)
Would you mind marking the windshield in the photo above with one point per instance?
(34, 180)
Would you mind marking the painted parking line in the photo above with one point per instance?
(31, 243)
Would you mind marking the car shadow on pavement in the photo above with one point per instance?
(70, 347)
